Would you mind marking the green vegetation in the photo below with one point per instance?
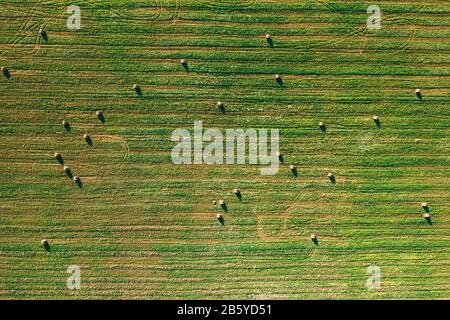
(141, 227)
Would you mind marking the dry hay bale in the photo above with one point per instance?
(68, 172)
(419, 94)
(78, 182)
(5, 72)
(280, 157)
(184, 64)
(427, 217)
(425, 206)
(331, 177)
(294, 170)
(418, 141)
(279, 79)
(137, 89)
(59, 158)
(223, 205)
(221, 106)
(100, 116)
(43, 34)
(238, 193)
(214, 202)
(45, 244)
(377, 121)
(221, 219)
(66, 125)
(314, 239)
(88, 139)
(322, 126)
(269, 40)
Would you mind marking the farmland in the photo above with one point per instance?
(141, 227)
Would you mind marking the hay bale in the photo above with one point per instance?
(221, 106)
(418, 141)
(279, 79)
(294, 170)
(331, 177)
(221, 219)
(427, 217)
(269, 40)
(314, 239)
(377, 121)
(184, 64)
(5, 72)
(419, 94)
(214, 202)
(43, 34)
(66, 125)
(280, 157)
(68, 172)
(45, 244)
(78, 182)
(88, 139)
(100, 116)
(137, 89)
(223, 205)
(424, 204)
(238, 193)
(59, 158)
(322, 126)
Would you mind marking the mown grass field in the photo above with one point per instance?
(143, 228)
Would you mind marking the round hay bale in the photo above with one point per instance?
(66, 125)
(279, 79)
(5, 72)
(418, 91)
(269, 40)
(321, 124)
(221, 219)
(222, 202)
(424, 205)
(292, 167)
(214, 202)
(44, 242)
(236, 191)
(185, 64)
(221, 106)
(375, 118)
(426, 215)
(43, 34)
(77, 179)
(313, 236)
(58, 157)
(418, 141)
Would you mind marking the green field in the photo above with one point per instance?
(141, 227)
